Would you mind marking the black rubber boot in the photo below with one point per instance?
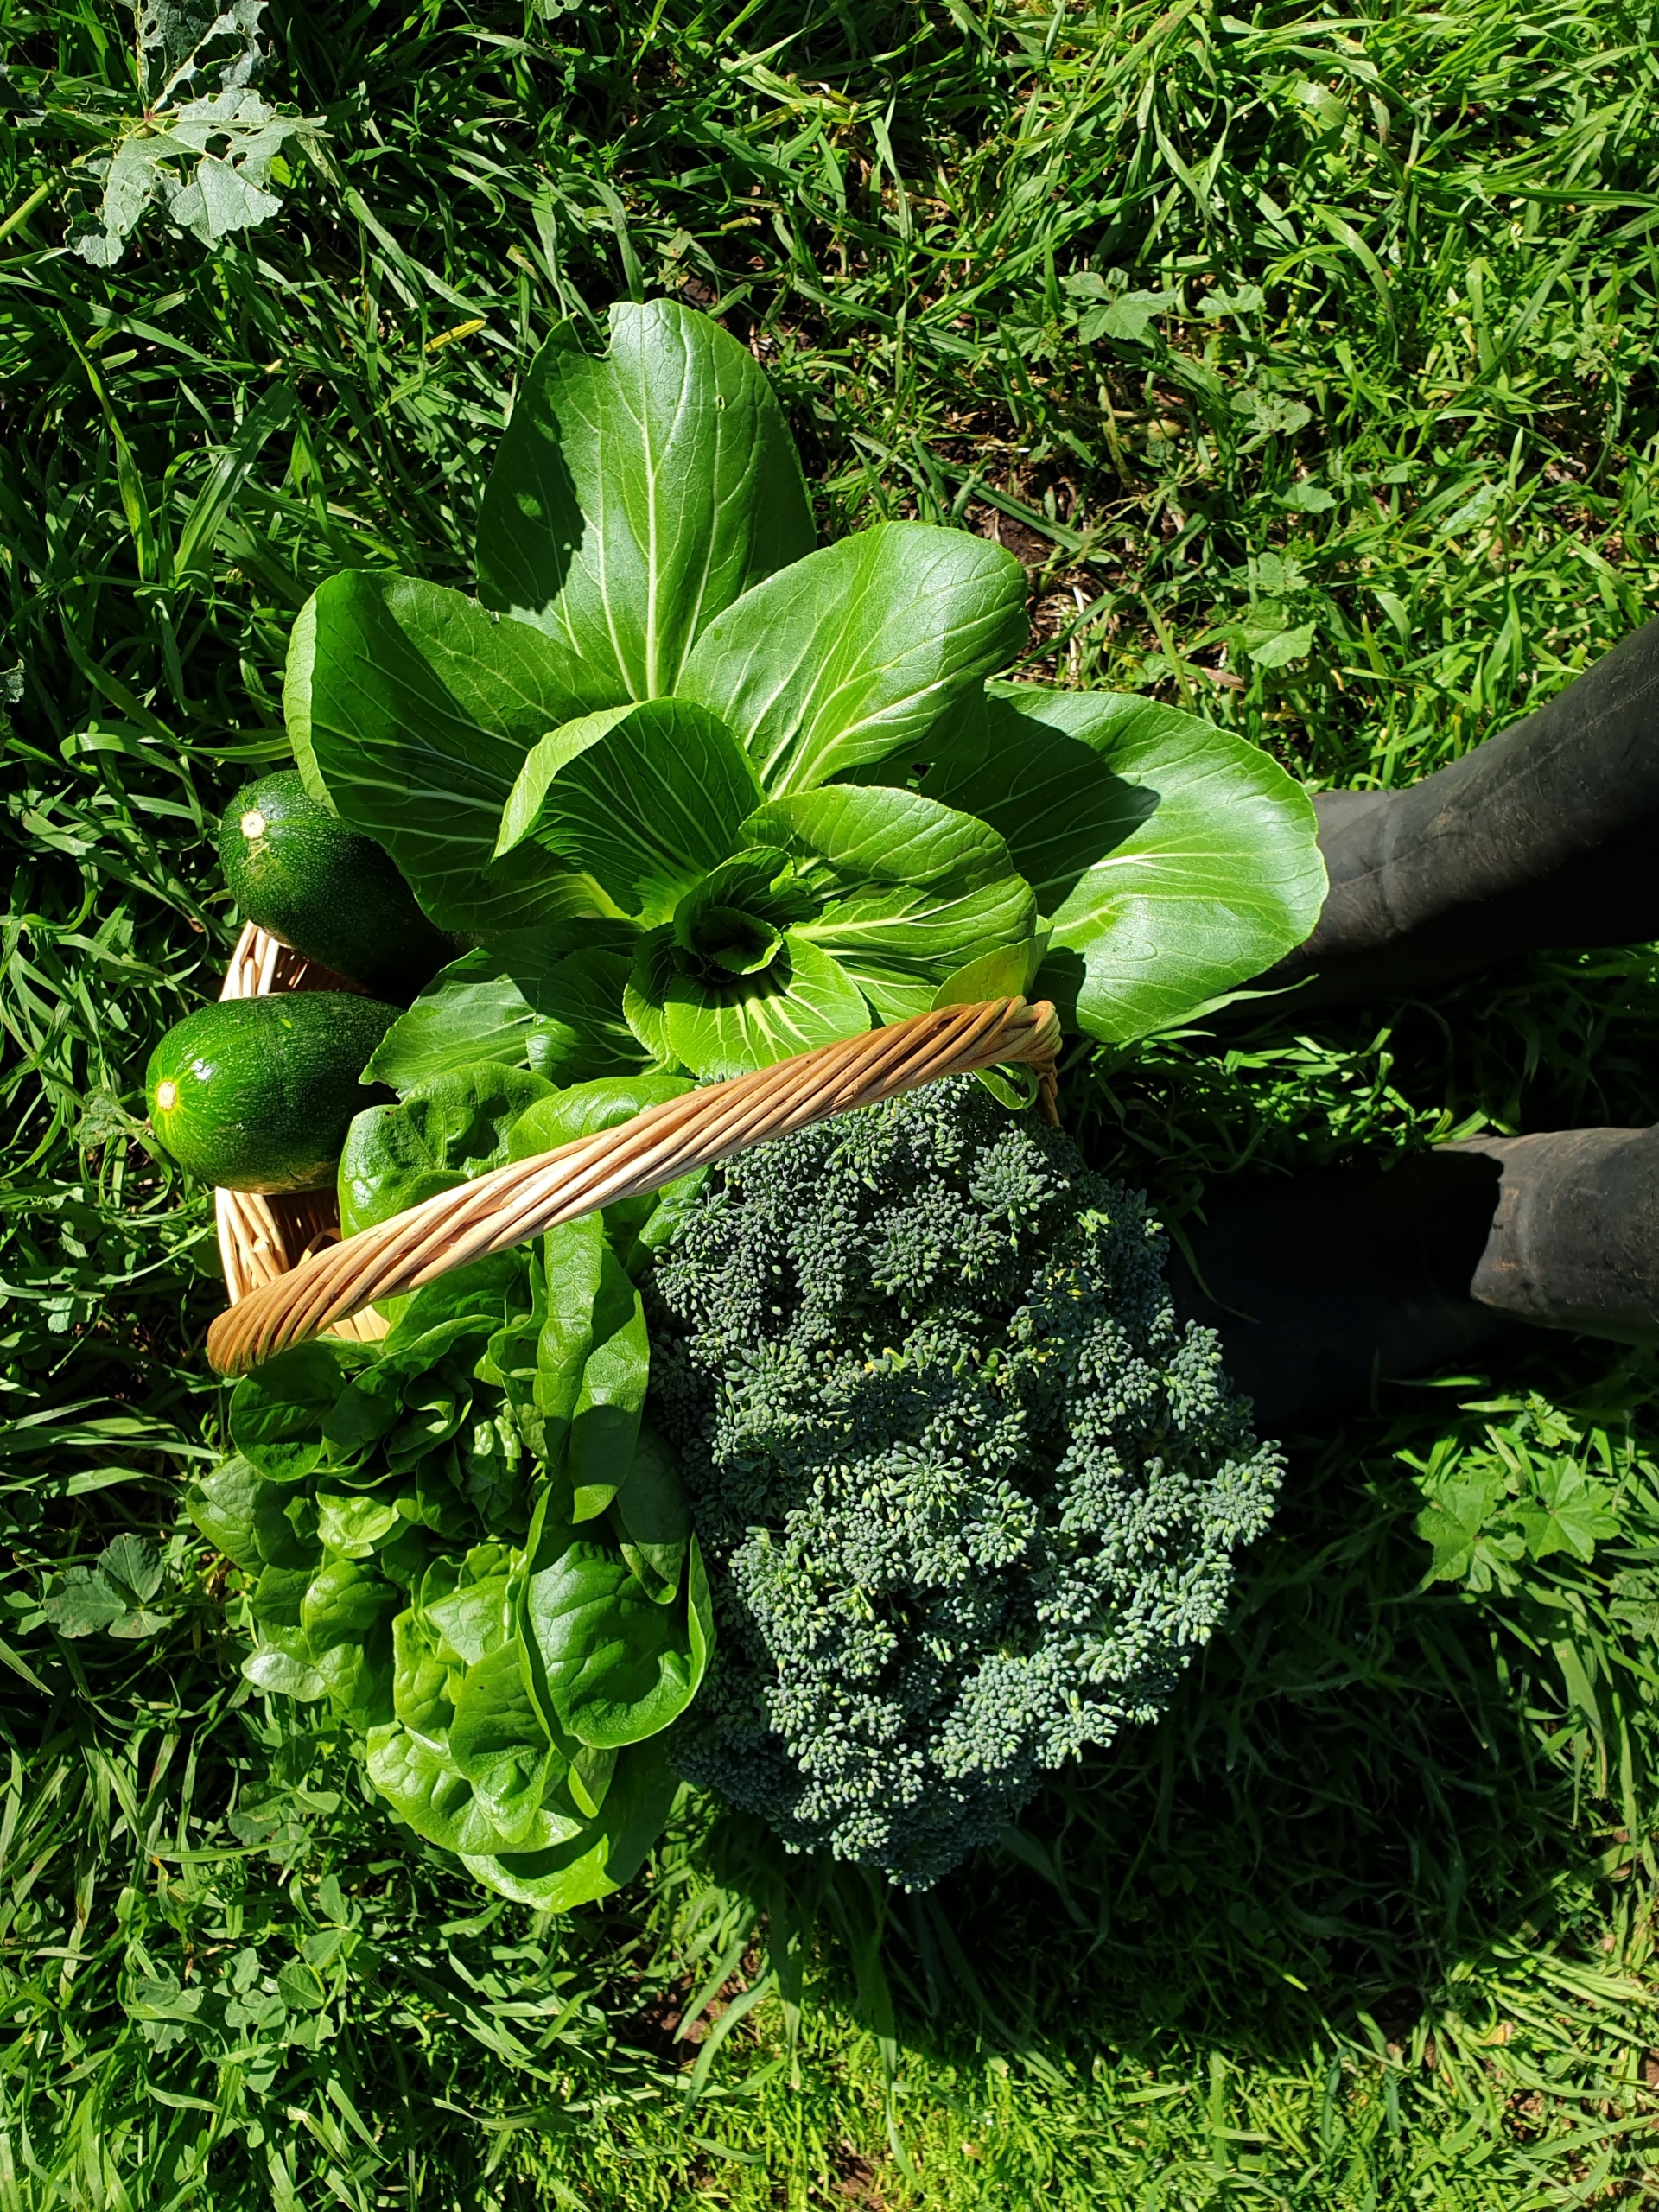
(1574, 1242)
(1543, 837)
(1324, 1289)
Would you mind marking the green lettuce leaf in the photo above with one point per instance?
(443, 1133)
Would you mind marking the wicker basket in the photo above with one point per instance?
(290, 1277)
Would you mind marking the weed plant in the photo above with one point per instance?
(1305, 360)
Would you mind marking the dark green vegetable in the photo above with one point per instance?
(258, 1094)
(301, 872)
(509, 1643)
(967, 1491)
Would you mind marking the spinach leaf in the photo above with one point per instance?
(527, 1003)
(634, 497)
(281, 1662)
(593, 1363)
(498, 1743)
(607, 1665)
(651, 1517)
(352, 1527)
(345, 1617)
(604, 1852)
(277, 1412)
(222, 1505)
(425, 1788)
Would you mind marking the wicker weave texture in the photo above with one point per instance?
(331, 1285)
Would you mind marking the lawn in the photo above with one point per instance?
(1305, 361)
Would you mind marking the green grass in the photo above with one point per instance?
(1367, 1921)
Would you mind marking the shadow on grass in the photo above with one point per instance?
(1365, 1792)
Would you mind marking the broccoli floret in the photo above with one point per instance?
(967, 1491)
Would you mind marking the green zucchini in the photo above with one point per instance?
(323, 887)
(258, 1094)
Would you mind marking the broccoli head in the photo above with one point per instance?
(968, 1492)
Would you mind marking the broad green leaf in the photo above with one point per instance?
(362, 1414)
(445, 1132)
(353, 1526)
(594, 1363)
(804, 998)
(586, 1109)
(1569, 1511)
(498, 1743)
(345, 1602)
(574, 1256)
(420, 1785)
(281, 1662)
(424, 1788)
(222, 1506)
(80, 1602)
(445, 1316)
(301, 1985)
(1008, 973)
(652, 1517)
(276, 1596)
(607, 1665)
(410, 709)
(874, 833)
(858, 650)
(420, 1678)
(345, 1617)
(588, 1777)
(277, 1412)
(585, 1036)
(606, 1422)
(471, 1620)
(132, 1563)
(645, 799)
(1463, 1524)
(605, 1853)
(633, 497)
(526, 1001)
(492, 1467)
(1172, 859)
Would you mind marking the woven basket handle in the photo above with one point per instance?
(520, 1200)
